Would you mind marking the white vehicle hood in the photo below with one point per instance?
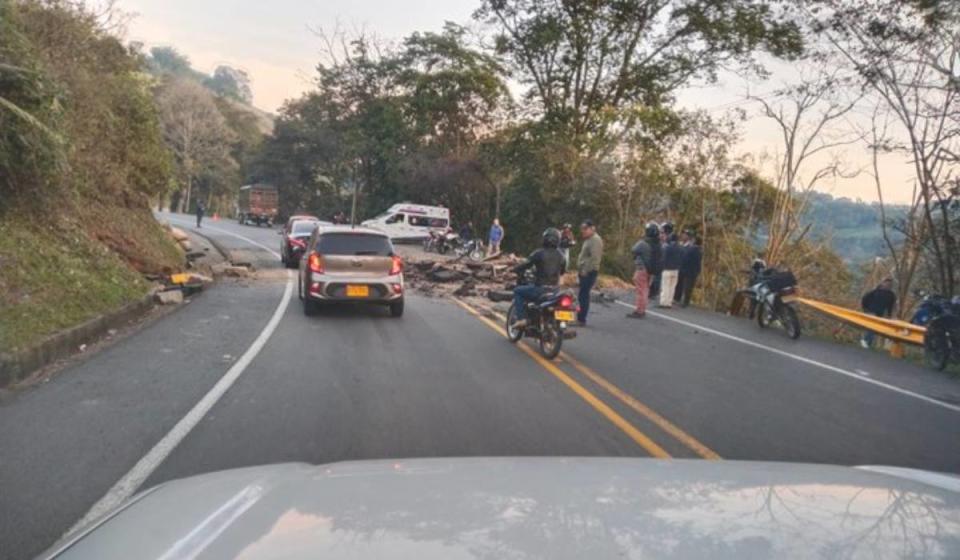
(549, 508)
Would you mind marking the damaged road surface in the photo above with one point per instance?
(354, 383)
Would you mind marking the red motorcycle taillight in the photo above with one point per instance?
(315, 263)
(565, 302)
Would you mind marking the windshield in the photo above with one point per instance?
(303, 227)
(353, 244)
(709, 243)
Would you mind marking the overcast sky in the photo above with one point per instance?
(272, 40)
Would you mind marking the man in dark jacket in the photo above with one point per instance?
(548, 266)
(879, 301)
(647, 259)
(201, 209)
(690, 266)
(672, 259)
(466, 232)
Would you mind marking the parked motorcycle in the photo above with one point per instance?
(431, 243)
(447, 242)
(547, 320)
(756, 272)
(941, 342)
(472, 249)
(776, 296)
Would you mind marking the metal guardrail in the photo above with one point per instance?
(894, 329)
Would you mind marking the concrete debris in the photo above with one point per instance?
(490, 280)
(169, 297)
(231, 271)
(179, 234)
(186, 245)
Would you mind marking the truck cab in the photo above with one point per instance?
(411, 222)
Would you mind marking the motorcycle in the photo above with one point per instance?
(447, 241)
(776, 295)
(431, 243)
(941, 342)
(753, 286)
(472, 249)
(547, 320)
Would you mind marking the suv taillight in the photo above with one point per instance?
(315, 263)
(396, 267)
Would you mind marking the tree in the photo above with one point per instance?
(805, 114)
(907, 54)
(231, 83)
(584, 62)
(195, 131)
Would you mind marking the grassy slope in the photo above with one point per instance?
(56, 276)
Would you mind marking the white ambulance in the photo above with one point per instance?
(411, 222)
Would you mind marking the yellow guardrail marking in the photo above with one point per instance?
(626, 427)
(890, 328)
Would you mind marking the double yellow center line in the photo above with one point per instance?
(616, 419)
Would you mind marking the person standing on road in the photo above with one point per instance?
(495, 237)
(646, 257)
(690, 265)
(466, 232)
(566, 241)
(879, 301)
(200, 211)
(588, 267)
(672, 258)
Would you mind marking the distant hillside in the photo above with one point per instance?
(852, 226)
(226, 82)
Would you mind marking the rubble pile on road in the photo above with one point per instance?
(438, 276)
(489, 280)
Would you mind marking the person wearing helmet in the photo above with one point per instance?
(548, 265)
(646, 257)
(672, 257)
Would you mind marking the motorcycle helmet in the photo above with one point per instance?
(667, 227)
(758, 265)
(551, 238)
(652, 230)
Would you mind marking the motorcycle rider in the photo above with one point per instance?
(548, 264)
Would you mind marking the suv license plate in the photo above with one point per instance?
(358, 291)
(564, 315)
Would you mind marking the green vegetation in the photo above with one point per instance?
(81, 156)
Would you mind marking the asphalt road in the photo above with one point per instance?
(188, 395)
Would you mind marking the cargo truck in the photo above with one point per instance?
(257, 204)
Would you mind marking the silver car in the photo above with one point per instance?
(550, 508)
(349, 264)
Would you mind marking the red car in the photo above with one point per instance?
(295, 234)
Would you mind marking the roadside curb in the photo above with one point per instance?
(224, 252)
(17, 366)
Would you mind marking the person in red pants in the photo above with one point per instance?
(647, 257)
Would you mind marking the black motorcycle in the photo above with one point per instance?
(941, 342)
(472, 249)
(776, 296)
(547, 320)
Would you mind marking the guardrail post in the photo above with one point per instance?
(896, 349)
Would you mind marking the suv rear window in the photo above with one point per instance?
(354, 244)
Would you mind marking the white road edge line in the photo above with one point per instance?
(809, 361)
(128, 485)
(230, 233)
